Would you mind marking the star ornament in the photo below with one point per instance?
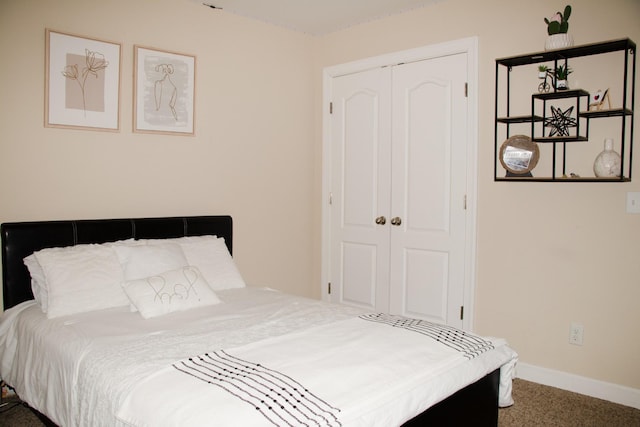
(560, 121)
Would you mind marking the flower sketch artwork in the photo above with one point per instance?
(87, 93)
(83, 82)
(164, 92)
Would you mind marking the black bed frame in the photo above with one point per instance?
(474, 405)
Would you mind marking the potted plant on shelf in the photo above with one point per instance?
(561, 73)
(542, 71)
(557, 29)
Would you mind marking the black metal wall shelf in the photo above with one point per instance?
(571, 52)
(583, 114)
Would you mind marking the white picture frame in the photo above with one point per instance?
(82, 84)
(164, 92)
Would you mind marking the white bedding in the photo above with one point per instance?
(113, 361)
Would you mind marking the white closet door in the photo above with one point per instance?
(399, 146)
(361, 177)
(427, 248)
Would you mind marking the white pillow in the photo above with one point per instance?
(175, 290)
(38, 281)
(147, 259)
(212, 257)
(81, 278)
(39, 286)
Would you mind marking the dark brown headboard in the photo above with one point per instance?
(21, 239)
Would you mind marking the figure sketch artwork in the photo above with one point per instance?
(164, 98)
(83, 82)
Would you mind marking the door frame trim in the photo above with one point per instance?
(467, 45)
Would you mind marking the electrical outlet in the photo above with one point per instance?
(576, 333)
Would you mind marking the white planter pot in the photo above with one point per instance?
(561, 85)
(558, 41)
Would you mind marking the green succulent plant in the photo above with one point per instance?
(559, 23)
(562, 72)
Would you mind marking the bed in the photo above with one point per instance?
(240, 355)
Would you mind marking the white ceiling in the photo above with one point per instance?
(315, 17)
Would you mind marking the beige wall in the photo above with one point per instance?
(257, 156)
(251, 157)
(548, 254)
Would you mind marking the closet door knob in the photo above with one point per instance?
(381, 220)
(396, 221)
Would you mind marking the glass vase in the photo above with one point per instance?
(607, 163)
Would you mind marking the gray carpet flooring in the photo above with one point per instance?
(535, 405)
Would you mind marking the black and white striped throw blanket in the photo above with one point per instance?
(370, 370)
(468, 344)
(275, 395)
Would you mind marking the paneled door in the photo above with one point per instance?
(399, 141)
(427, 239)
(361, 188)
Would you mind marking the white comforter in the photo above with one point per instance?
(113, 368)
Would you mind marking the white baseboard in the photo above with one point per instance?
(595, 388)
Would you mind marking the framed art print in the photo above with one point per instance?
(82, 84)
(164, 91)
